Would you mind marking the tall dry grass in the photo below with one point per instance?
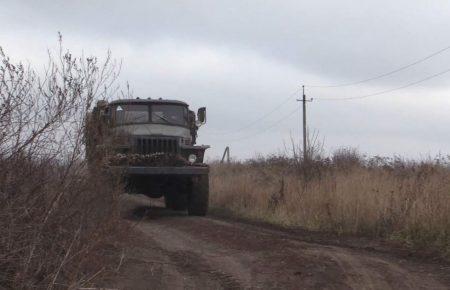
(346, 194)
(56, 215)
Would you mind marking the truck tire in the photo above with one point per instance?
(175, 199)
(175, 202)
(179, 202)
(199, 196)
(168, 202)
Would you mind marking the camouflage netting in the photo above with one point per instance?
(155, 159)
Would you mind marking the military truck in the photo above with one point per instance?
(152, 142)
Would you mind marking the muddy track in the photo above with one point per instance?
(180, 252)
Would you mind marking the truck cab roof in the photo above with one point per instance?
(147, 101)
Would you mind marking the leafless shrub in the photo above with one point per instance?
(54, 214)
(347, 158)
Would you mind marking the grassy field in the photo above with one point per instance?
(345, 194)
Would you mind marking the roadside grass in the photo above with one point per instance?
(377, 197)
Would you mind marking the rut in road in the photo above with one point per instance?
(209, 253)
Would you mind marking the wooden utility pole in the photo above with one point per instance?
(305, 140)
(305, 155)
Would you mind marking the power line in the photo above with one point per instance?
(340, 99)
(286, 117)
(387, 91)
(384, 74)
(260, 118)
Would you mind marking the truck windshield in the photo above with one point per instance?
(131, 114)
(169, 114)
(155, 113)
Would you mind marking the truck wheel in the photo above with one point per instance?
(199, 196)
(175, 199)
(175, 202)
(168, 202)
(179, 202)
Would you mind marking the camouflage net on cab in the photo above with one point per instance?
(155, 159)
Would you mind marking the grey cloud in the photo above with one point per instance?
(340, 40)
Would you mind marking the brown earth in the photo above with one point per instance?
(174, 251)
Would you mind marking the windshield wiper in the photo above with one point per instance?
(163, 118)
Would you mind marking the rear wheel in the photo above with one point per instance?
(179, 202)
(175, 198)
(168, 202)
(199, 196)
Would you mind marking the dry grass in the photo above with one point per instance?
(347, 194)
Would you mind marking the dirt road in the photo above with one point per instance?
(180, 252)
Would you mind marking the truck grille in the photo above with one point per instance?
(146, 145)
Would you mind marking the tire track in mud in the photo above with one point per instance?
(191, 264)
(195, 259)
(213, 253)
(364, 269)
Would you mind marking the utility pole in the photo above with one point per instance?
(305, 145)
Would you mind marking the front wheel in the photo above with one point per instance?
(199, 196)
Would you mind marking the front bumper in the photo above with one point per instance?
(154, 170)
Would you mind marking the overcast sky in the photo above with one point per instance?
(242, 59)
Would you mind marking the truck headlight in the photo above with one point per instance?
(192, 158)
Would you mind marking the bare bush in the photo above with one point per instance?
(346, 158)
(54, 214)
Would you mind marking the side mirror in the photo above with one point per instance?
(201, 115)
